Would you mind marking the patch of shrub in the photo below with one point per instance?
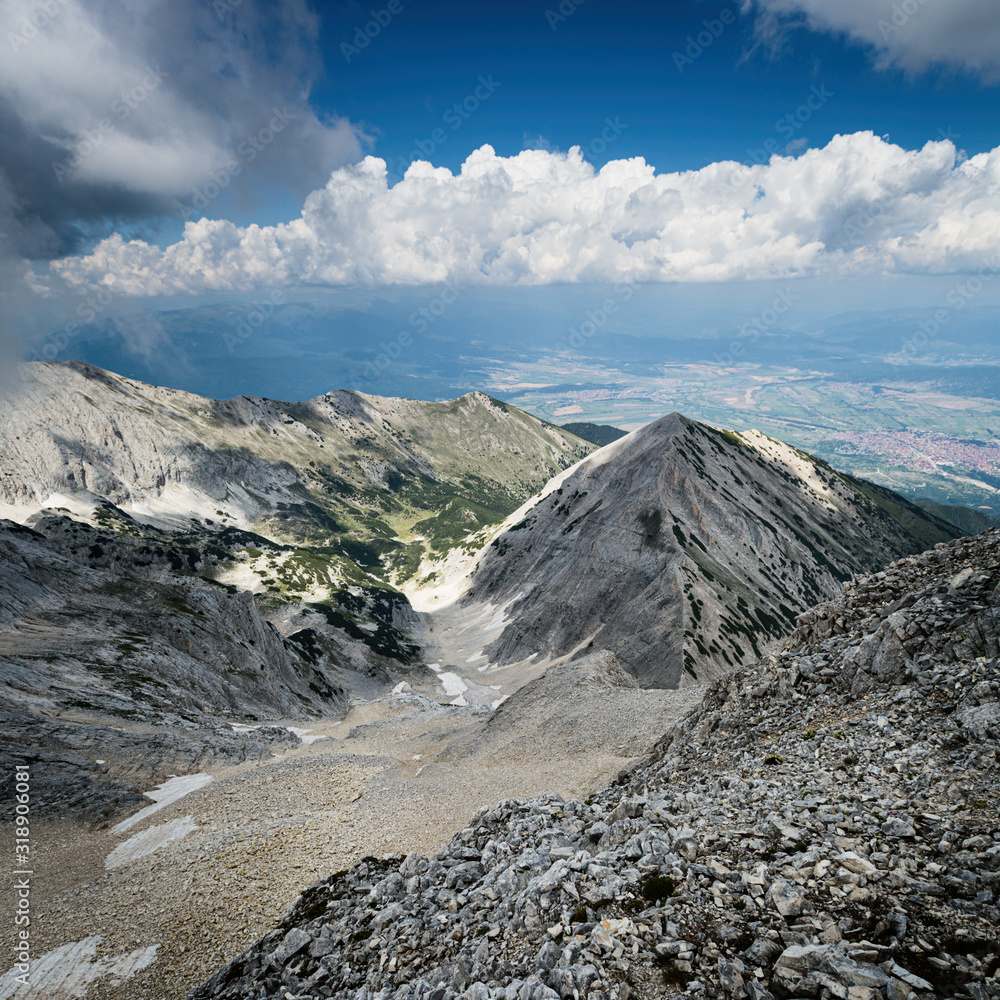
(657, 887)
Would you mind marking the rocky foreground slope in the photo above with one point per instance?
(685, 550)
(824, 825)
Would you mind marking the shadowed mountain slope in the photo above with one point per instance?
(599, 434)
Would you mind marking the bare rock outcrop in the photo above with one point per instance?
(799, 834)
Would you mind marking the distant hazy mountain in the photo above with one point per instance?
(599, 434)
(966, 518)
(684, 550)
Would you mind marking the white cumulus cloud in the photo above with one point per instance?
(912, 34)
(859, 205)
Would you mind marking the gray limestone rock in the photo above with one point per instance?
(863, 915)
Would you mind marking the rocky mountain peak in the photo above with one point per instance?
(685, 550)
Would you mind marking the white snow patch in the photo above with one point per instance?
(307, 736)
(402, 688)
(178, 503)
(163, 795)
(789, 456)
(241, 727)
(453, 684)
(436, 667)
(149, 841)
(81, 505)
(456, 571)
(100, 762)
(476, 656)
(68, 970)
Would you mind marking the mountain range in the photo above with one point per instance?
(866, 391)
(188, 585)
(374, 483)
(197, 562)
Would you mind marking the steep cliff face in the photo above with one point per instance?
(139, 640)
(112, 651)
(684, 550)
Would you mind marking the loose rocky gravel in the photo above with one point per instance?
(397, 774)
(824, 825)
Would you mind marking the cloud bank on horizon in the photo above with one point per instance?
(859, 205)
(145, 108)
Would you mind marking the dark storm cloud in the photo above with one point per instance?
(113, 112)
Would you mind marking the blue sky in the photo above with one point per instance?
(186, 151)
(561, 78)
(616, 59)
